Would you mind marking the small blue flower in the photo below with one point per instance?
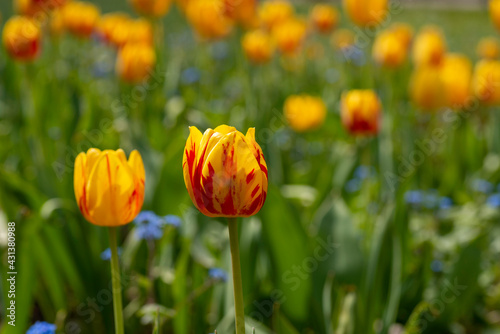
(42, 327)
(106, 254)
(172, 220)
(445, 203)
(364, 172)
(190, 76)
(355, 55)
(437, 266)
(414, 197)
(149, 225)
(217, 274)
(482, 186)
(353, 185)
(494, 200)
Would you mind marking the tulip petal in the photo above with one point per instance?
(80, 178)
(189, 160)
(137, 169)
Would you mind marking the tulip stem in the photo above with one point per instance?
(116, 282)
(239, 310)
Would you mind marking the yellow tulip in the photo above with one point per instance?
(389, 49)
(225, 172)
(495, 12)
(242, 11)
(456, 73)
(304, 112)
(272, 13)
(486, 82)
(360, 111)
(324, 17)
(488, 48)
(258, 46)
(113, 28)
(21, 38)
(109, 189)
(429, 47)
(80, 18)
(427, 90)
(404, 32)
(57, 23)
(342, 39)
(152, 8)
(135, 62)
(34, 7)
(289, 35)
(208, 18)
(366, 12)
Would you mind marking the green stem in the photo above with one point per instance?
(116, 282)
(238, 288)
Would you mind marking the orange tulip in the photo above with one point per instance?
(272, 13)
(495, 12)
(289, 35)
(242, 11)
(304, 112)
(427, 90)
(109, 189)
(429, 47)
(258, 46)
(34, 7)
(486, 82)
(135, 62)
(488, 48)
(113, 28)
(403, 31)
(21, 38)
(57, 23)
(389, 50)
(456, 73)
(366, 12)
(80, 18)
(324, 17)
(225, 172)
(152, 8)
(360, 112)
(208, 18)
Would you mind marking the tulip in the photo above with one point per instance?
(208, 18)
(389, 50)
(151, 8)
(135, 62)
(456, 73)
(488, 48)
(366, 12)
(113, 28)
(427, 90)
(34, 7)
(258, 46)
(57, 23)
(360, 112)
(495, 12)
(486, 82)
(324, 17)
(289, 35)
(403, 31)
(272, 13)
(80, 18)
(21, 38)
(342, 39)
(243, 12)
(429, 47)
(304, 113)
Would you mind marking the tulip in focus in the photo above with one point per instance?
(21, 38)
(495, 12)
(272, 13)
(366, 12)
(109, 189)
(80, 18)
(360, 112)
(208, 18)
(135, 62)
(225, 172)
(488, 48)
(456, 74)
(486, 82)
(289, 35)
(258, 46)
(324, 17)
(304, 113)
(389, 50)
(151, 8)
(427, 90)
(429, 47)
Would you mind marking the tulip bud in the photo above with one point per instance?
(427, 90)
(289, 35)
(488, 48)
(324, 17)
(35, 7)
(272, 13)
(366, 12)
(152, 8)
(225, 172)
(21, 38)
(404, 32)
(109, 189)
(80, 18)
(304, 113)
(258, 46)
(208, 18)
(429, 47)
(456, 73)
(486, 82)
(243, 12)
(495, 12)
(113, 28)
(389, 50)
(135, 62)
(360, 112)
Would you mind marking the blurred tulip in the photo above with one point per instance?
(208, 18)
(495, 12)
(109, 189)
(272, 13)
(389, 50)
(56, 23)
(80, 18)
(360, 112)
(486, 82)
(34, 7)
(404, 32)
(429, 47)
(366, 12)
(324, 17)
(304, 112)
(135, 62)
(243, 12)
(152, 8)
(427, 90)
(342, 39)
(289, 35)
(258, 46)
(488, 48)
(21, 38)
(113, 28)
(456, 74)
(225, 172)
